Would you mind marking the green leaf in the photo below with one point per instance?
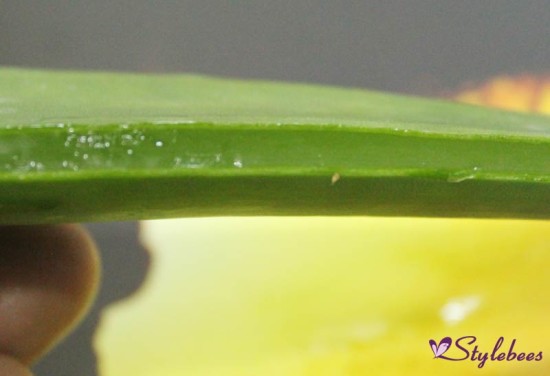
(103, 146)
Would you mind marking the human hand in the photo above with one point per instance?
(48, 278)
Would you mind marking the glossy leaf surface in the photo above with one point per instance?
(101, 146)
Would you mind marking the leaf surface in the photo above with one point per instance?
(78, 146)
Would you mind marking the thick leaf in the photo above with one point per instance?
(101, 146)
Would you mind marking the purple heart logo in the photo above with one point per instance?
(443, 346)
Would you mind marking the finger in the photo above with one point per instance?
(48, 278)
(10, 366)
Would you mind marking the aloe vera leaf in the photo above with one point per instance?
(80, 146)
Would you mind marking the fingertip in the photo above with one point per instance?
(11, 367)
(48, 279)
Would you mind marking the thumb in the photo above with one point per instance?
(48, 278)
(11, 367)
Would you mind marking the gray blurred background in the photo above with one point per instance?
(412, 46)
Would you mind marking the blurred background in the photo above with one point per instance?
(424, 47)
